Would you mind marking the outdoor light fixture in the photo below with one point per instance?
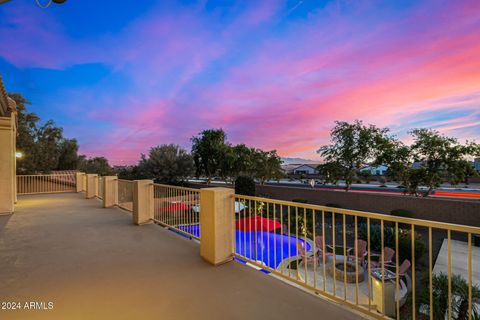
(18, 155)
(39, 2)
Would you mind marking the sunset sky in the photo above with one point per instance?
(122, 76)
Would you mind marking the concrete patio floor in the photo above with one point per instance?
(93, 263)
(459, 260)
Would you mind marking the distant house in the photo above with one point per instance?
(288, 168)
(379, 170)
(305, 169)
(300, 168)
(476, 164)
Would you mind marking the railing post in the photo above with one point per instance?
(79, 181)
(110, 191)
(142, 201)
(92, 185)
(216, 224)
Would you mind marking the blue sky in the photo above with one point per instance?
(122, 76)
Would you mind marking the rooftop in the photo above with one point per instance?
(94, 263)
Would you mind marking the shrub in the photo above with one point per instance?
(300, 218)
(459, 300)
(376, 237)
(404, 240)
(245, 186)
(405, 245)
(401, 213)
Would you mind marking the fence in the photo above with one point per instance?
(374, 263)
(46, 183)
(125, 194)
(177, 208)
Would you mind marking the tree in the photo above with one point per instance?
(208, 151)
(353, 144)
(226, 163)
(461, 171)
(365, 175)
(98, 165)
(47, 148)
(168, 163)
(267, 165)
(43, 146)
(245, 186)
(414, 178)
(68, 158)
(26, 129)
(131, 173)
(440, 155)
(331, 171)
(243, 161)
(397, 157)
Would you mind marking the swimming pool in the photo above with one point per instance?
(265, 247)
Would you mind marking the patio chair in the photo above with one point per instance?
(321, 250)
(303, 254)
(402, 272)
(388, 254)
(361, 254)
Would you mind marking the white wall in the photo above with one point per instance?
(305, 170)
(377, 170)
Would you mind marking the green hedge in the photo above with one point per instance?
(245, 186)
(404, 240)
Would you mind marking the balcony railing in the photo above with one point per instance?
(46, 183)
(373, 263)
(381, 265)
(177, 208)
(125, 194)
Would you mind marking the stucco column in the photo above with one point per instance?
(216, 224)
(79, 181)
(92, 185)
(7, 165)
(110, 191)
(143, 202)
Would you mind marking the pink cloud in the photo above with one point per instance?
(187, 72)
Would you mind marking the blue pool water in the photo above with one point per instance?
(267, 247)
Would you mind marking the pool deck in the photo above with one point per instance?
(322, 279)
(93, 263)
